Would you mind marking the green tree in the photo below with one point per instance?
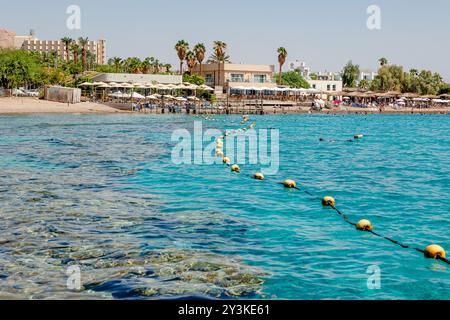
(364, 84)
(83, 44)
(195, 79)
(293, 79)
(220, 55)
(383, 61)
(67, 42)
(75, 48)
(199, 51)
(282, 55)
(350, 74)
(191, 61)
(182, 47)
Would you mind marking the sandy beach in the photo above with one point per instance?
(33, 105)
(14, 105)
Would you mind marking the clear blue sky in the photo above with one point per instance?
(324, 33)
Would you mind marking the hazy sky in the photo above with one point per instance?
(324, 33)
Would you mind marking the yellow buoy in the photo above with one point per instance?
(290, 183)
(226, 160)
(364, 225)
(434, 251)
(235, 168)
(252, 125)
(258, 176)
(328, 201)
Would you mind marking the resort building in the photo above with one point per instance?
(231, 75)
(300, 67)
(138, 78)
(366, 74)
(326, 85)
(9, 39)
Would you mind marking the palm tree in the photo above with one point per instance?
(182, 48)
(83, 43)
(117, 63)
(75, 48)
(282, 55)
(199, 51)
(219, 51)
(167, 66)
(191, 61)
(133, 65)
(146, 66)
(383, 61)
(67, 41)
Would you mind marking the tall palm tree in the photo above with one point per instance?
(83, 43)
(191, 61)
(67, 42)
(383, 61)
(182, 47)
(199, 51)
(75, 48)
(219, 51)
(282, 55)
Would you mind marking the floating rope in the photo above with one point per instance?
(432, 251)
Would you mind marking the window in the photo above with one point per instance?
(334, 87)
(314, 86)
(259, 78)
(236, 77)
(209, 78)
(328, 87)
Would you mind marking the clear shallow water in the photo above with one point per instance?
(101, 192)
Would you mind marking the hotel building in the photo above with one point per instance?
(30, 42)
(230, 75)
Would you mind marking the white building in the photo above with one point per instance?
(366, 74)
(300, 67)
(326, 85)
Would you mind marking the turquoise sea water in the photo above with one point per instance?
(101, 192)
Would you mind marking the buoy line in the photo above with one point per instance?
(432, 251)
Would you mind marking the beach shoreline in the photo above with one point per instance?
(19, 105)
(23, 105)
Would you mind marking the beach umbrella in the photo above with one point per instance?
(86, 84)
(152, 97)
(99, 83)
(136, 95)
(193, 98)
(205, 88)
(181, 99)
(169, 97)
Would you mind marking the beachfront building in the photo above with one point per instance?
(366, 74)
(301, 68)
(326, 85)
(138, 78)
(230, 75)
(10, 40)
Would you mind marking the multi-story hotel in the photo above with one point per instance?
(229, 75)
(30, 42)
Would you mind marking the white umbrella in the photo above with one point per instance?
(86, 84)
(193, 98)
(168, 96)
(137, 95)
(99, 83)
(180, 99)
(152, 97)
(205, 87)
